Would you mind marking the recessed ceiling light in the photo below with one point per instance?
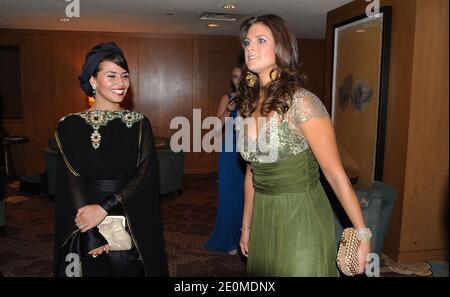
(64, 19)
(230, 6)
(212, 25)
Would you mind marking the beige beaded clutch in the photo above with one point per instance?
(113, 229)
(347, 256)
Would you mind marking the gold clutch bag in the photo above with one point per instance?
(113, 229)
(347, 256)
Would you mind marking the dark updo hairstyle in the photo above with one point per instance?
(279, 92)
(98, 54)
(116, 59)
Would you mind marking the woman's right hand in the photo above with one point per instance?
(245, 238)
(89, 216)
(100, 250)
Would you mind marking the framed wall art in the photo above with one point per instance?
(360, 90)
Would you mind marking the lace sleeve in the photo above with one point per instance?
(305, 106)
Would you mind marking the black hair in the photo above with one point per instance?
(117, 59)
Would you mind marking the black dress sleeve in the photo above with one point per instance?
(71, 196)
(139, 198)
(110, 203)
(145, 175)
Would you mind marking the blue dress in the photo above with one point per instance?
(231, 172)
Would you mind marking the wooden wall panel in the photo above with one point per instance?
(10, 83)
(165, 88)
(199, 162)
(426, 180)
(50, 70)
(165, 71)
(13, 127)
(312, 57)
(10, 37)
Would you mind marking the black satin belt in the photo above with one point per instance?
(104, 185)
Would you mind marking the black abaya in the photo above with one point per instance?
(108, 158)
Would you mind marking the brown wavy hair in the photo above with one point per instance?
(279, 92)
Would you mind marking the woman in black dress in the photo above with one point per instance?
(107, 167)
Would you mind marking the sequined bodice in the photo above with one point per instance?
(281, 136)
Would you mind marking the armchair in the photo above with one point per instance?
(171, 166)
(377, 204)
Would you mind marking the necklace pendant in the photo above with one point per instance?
(96, 139)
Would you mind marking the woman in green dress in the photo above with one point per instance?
(285, 135)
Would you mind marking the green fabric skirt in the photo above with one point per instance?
(292, 231)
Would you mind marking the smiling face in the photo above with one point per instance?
(111, 83)
(259, 48)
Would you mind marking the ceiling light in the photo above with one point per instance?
(360, 30)
(64, 19)
(230, 6)
(212, 25)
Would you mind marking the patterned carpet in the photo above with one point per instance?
(188, 221)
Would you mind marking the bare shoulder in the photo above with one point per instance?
(224, 99)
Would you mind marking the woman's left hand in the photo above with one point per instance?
(89, 216)
(98, 251)
(363, 251)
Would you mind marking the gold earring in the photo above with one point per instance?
(251, 79)
(275, 74)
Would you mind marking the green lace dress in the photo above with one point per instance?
(292, 229)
